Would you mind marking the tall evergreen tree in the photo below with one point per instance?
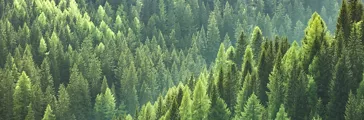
(22, 96)
(253, 109)
(201, 102)
(105, 105)
(281, 114)
(256, 41)
(213, 36)
(339, 90)
(241, 46)
(78, 90)
(63, 110)
(48, 115)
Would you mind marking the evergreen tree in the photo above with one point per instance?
(265, 66)
(315, 35)
(48, 115)
(218, 109)
(8, 76)
(240, 49)
(248, 64)
(63, 110)
(343, 21)
(80, 103)
(281, 114)
(30, 115)
(128, 89)
(105, 105)
(22, 96)
(253, 109)
(339, 90)
(185, 109)
(276, 90)
(213, 37)
(201, 102)
(256, 41)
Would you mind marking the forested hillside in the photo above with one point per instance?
(181, 60)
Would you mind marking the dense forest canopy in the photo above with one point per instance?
(181, 60)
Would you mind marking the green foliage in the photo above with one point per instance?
(185, 109)
(79, 95)
(281, 114)
(253, 109)
(22, 96)
(105, 105)
(201, 102)
(48, 115)
(114, 59)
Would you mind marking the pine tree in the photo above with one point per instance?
(343, 21)
(147, 112)
(80, 103)
(230, 86)
(63, 110)
(256, 41)
(240, 49)
(30, 115)
(356, 10)
(105, 105)
(276, 90)
(128, 89)
(185, 109)
(48, 115)
(253, 109)
(281, 114)
(339, 90)
(218, 109)
(22, 96)
(265, 66)
(248, 64)
(296, 80)
(213, 37)
(8, 77)
(201, 102)
(315, 36)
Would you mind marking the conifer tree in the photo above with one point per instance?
(241, 46)
(248, 64)
(22, 96)
(256, 41)
(78, 90)
(185, 109)
(315, 35)
(218, 109)
(105, 105)
(63, 110)
(253, 109)
(8, 76)
(339, 90)
(276, 90)
(343, 21)
(48, 115)
(30, 115)
(213, 36)
(281, 114)
(201, 102)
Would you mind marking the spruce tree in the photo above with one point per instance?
(48, 115)
(78, 90)
(22, 96)
(201, 102)
(253, 109)
(281, 114)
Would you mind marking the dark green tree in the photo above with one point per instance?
(78, 90)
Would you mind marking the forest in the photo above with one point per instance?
(181, 60)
